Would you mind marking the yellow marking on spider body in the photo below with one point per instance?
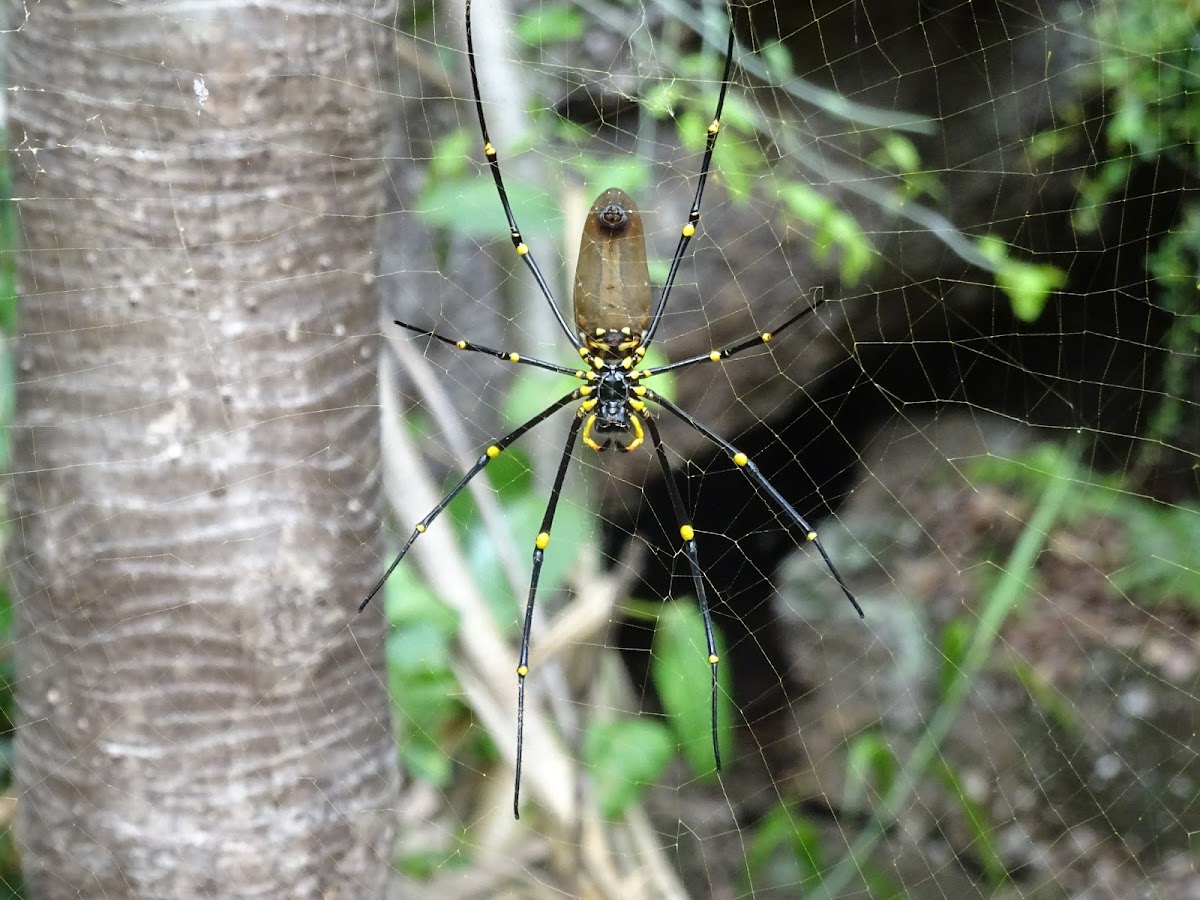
(740, 459)
(522, 248)
(687, 532)
(689, 229)
(542, 541)
(493, 451)
(522, 671)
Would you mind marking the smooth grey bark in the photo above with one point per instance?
(197, 496)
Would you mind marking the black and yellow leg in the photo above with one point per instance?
(689, 228)
(506, 355)
(760, 481)
(725, 352)
(688, 535)
(493, 159)
(486, 457)
(540, 543)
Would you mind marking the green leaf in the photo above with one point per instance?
(549, 25)
(871, 766)
(983, 847)
(786, 848)
(625, 757)
(956, 639)
(682, 678)
(1028, 285)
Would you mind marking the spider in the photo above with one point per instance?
(612, 331)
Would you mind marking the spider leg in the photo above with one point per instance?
(486, 457)
(689, 546)
(489, 151)
(689, 227)
(539, 553)
(724, 353)
(506, 355)
(743, 462)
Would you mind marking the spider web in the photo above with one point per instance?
(990, 419)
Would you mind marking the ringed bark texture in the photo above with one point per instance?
(196, 490)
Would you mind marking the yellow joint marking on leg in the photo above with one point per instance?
(589, 405)
(542, 541)
(514, 357)
(640, 390)
(715, 126)
(421, 529)
(627, 363)
(687, 532)
(492, 451)
(584, 351)
(689, 229)
(640, 351)
(713, 659)
(627, 331)
(522, 248)
(740, 459)
(584, 390)
(638, 405)
(489, 151)
(766, 337)
(715, 356)
(522, 671)
(461, 345)
(601, 332)
(812, 535)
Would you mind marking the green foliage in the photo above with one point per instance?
(871, 770)
(956, 640)
(983, 845)
(625, 757)
(683, 680)
(836, 232)
(1161, 539)
(1150, 71)
(422, 684)
(550, 24)
(1028, 285)
(785, 849)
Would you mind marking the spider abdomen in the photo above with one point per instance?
(612, 280)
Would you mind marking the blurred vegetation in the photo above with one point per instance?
(10, 871)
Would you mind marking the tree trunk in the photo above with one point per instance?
(196, 490)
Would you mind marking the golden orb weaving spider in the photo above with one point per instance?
(613, 329)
